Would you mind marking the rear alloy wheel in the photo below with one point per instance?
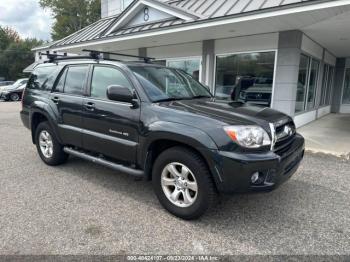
(46, 144)
(14, 97)
(183, 183)
(49, 149)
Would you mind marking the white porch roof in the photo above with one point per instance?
(324, 21)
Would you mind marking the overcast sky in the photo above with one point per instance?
(26, 17)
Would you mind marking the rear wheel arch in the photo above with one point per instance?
(38, 117)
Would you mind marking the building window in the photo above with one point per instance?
(330, 85)
(327, 85)
(307, 84)
(190, 66)
(313, 80)
(247, 78)
(346, 91)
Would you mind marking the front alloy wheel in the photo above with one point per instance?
(183, 183)
(179, 184)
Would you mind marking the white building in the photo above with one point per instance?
(288, 54)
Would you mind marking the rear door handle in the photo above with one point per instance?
(90, 106)
(55, 99)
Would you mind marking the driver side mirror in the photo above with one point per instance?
(120, 94)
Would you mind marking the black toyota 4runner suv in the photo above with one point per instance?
(160, 124)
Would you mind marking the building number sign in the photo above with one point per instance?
(146, 14)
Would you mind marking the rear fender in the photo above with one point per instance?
(39, 107)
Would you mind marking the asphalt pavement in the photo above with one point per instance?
(83, 208)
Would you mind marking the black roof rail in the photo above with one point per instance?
(97, 53)
(53, 57)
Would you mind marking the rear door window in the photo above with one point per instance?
(76, 79)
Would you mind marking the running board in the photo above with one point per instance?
(103, 162)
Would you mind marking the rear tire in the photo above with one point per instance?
(183, 183)
(49, 149)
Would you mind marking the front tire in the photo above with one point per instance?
(183, 183)
(49, 149)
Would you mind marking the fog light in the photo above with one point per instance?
(255, 178)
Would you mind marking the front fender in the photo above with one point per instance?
(177, 132)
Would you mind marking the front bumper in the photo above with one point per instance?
(234, 171)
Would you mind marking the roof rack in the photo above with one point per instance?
(53, 57)
(93, 54)
(97, 53)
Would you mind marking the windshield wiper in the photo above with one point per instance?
(168, 99)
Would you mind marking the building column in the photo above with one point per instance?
(337, 93)
(142, 51)
(320, 80)
(208, 63)
(287, 71)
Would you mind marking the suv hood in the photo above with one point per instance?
(226, 112)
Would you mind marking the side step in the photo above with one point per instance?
(103, 162)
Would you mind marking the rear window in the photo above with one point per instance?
(43, 77)
(75, 80)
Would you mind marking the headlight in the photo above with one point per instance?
(248, 136)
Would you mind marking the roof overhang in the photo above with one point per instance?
(297, 17)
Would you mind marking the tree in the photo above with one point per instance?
(72, 15)
(7, 36)
(15, 53)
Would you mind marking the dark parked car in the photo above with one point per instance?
(159, 124)
(6, 83)
(14, 91)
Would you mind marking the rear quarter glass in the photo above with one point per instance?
(43, 77)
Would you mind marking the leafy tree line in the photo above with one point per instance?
(15, 53)
(71, 15)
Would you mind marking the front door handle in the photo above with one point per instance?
(90, 106)
(55, 99)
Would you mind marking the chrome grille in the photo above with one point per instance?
(284, 136)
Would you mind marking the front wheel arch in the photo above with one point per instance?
(159, 146)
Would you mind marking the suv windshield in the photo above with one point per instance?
(166, 84)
